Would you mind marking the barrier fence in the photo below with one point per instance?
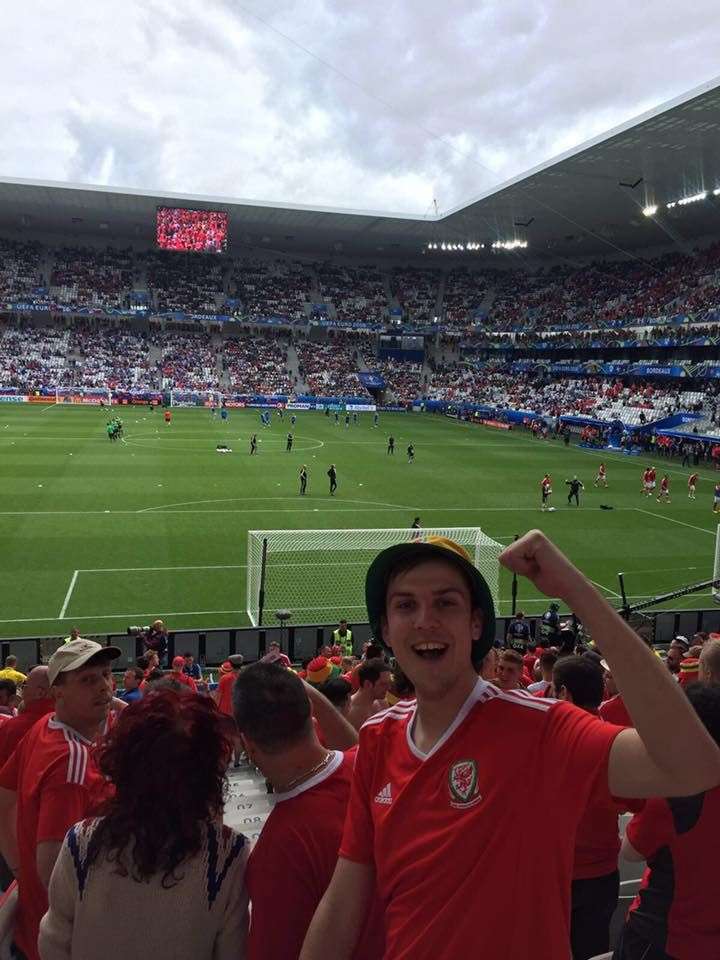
(299, 641)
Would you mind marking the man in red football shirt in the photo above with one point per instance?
(509, 670)
(229, 672)
(179, 676)
(675, 914)
(595, 878)
(50, 781)
(438, 816)
(36, 703)
(294, 858)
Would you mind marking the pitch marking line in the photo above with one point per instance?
(606, 589)
(681, 523)
(69, 593)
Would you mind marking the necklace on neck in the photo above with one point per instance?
(308, 774)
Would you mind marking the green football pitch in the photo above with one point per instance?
(102, 535)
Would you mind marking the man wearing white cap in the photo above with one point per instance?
(51, 781)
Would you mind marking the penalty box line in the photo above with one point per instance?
(76, 573)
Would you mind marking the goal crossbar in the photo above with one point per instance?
(319, 575)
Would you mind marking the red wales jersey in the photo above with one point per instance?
(293, 861)
(692, 479)
(664, 483)
(53, 772)
(651, 475)
(447, 830)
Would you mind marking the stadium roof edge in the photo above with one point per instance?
(586, 202)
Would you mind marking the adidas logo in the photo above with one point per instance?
(385, 795)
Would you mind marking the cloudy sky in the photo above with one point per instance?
(379, 104)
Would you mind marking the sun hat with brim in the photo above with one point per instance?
(226, 667)
(78, 653)
(431, 548)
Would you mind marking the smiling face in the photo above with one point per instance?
(430, 624)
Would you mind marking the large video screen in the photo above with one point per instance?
(201, 230)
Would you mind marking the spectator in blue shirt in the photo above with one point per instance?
(191, 669)
(131, 691)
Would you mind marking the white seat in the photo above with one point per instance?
(602, 956)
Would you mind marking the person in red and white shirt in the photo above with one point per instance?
(438, 818)
(51, 781)
(675, 914)
(295, 855)
(596, 878)
(601, 478)
(36, 703)
(692, 484)
(179, 676)
(664, 494)
(649, 476)
(229, 672)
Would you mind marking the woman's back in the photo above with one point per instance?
(98, 910)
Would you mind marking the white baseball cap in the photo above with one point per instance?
(77, 653)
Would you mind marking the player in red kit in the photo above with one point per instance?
(716, 499)
(168, 417)
(601, 478)
(664, 495)
(437, 821)
(692, 484)
(649, 481)
(546, 491)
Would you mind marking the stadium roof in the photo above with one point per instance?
(587, 202)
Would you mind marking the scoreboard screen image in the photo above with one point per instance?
(204, 231)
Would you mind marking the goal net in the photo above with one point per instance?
(319, 575)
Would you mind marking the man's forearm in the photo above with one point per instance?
(338, 732)
(671, 731)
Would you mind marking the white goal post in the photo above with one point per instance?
(319, 575)
(716, 565)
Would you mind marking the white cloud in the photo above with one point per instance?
(436, 101)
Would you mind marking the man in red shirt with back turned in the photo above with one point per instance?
(229, 672)
(294, 858)
(51, 781)
(179, 676)
(37, 702)
(438, 817)
(595, 878)
(675, 914)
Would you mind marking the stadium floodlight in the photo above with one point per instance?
(320, 574)
(716, 192)
(695, 198)
(650, 210)
(509, 245)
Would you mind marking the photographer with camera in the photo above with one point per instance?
(154, 638)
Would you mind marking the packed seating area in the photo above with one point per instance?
(113, 357)
(257, 365)
(356, 293)
(416, 291)
(92, 278)
(522, 300)
(329, 369)
(278, 289)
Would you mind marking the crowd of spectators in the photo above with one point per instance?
(20, 269)
(108, 356)
(97, 279)
(416, 291)
(32, 357)
(267, 289)
(184, 282)
(330, 369)
(615, 740)
(598, 296)
(257, 365)
(357, 294)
